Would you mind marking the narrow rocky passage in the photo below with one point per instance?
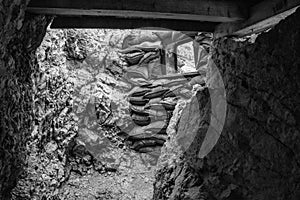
(102, 107)
(99, 114)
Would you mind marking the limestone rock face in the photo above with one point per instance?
(257, 155)
(19, 38)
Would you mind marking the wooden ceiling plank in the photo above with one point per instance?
(204, 10)
(131, 23)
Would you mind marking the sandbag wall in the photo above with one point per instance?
(153, 96)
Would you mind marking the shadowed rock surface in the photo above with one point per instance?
(257, 155)
(19, 38)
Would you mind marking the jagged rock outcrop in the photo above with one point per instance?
(257, 155)
(19, 38)
(68, 61)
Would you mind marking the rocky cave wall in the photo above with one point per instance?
(258, 153)
(19, 38)
(95, 165)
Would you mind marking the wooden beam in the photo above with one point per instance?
(131, 23)
(262, 17)
(198, 10)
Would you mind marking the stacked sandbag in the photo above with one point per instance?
(143, 60)
(151, 108)
(153, 96)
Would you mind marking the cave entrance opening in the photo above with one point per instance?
(126, 86)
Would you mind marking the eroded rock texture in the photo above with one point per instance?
(79, 74)
(257, 155)
(19, 38)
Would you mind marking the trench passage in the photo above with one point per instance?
(126, 85)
